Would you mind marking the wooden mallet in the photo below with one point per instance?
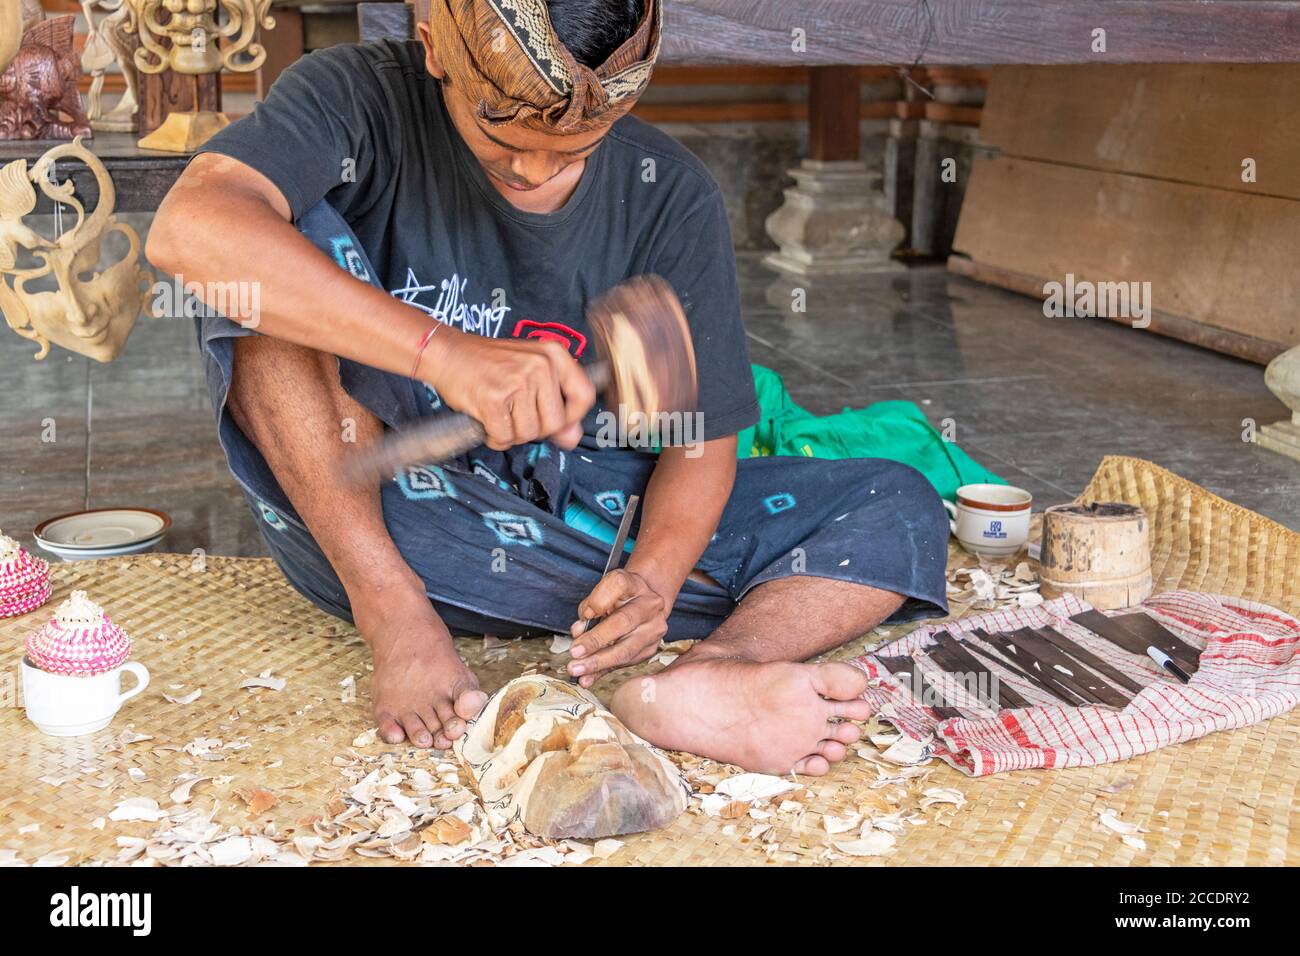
(645, 363)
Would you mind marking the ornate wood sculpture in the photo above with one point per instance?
(544, 754)
(111, 42)
(38, 88)
(90, 311)
(182, 36)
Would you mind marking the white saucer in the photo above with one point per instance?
(102, 532)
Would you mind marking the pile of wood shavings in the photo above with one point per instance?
(411, 806)
(991, 586)
(407, 806)
(778, 813)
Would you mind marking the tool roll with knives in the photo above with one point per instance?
(998, 690)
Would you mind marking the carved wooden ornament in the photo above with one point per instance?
(38, 89)
(545, 754)
(109, 42)
(89, 311)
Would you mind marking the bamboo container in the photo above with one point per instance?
(1100, 552)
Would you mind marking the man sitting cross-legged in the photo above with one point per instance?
(426, 223)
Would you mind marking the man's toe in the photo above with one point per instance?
(839, 681)
(417, 732)
(845, 733)
(832, 750)
(390, 729)
(812, 766)
(470, 703)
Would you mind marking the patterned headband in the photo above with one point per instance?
(505, 56)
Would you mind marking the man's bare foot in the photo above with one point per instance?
(766, 717)
(421, 689)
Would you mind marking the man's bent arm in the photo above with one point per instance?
(224, 221)
(683, 504)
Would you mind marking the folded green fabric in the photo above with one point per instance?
(897, 431)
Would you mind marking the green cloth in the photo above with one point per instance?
(897, 431)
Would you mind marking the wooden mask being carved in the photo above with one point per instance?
(546, 754)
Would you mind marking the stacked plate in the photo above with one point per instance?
(102, 532)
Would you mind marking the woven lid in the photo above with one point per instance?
(24, 580)
(80, 640)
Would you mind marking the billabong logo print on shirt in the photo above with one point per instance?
(449, 306)
(571, 339)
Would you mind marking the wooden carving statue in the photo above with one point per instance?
(194, 38)
(545, 754)
(38, 89)
(109, 42)
(88, 310)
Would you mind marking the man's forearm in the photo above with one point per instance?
(232, 229)
(683, 504)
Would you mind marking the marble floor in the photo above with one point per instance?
(1037, 400)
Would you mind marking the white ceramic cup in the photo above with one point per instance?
(991, 520)
(66, 705)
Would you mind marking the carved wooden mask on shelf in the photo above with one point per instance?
(547, 755)
(66, 299)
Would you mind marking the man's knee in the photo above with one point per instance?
(268, 375)
(908, 489)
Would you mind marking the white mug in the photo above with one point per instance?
(67, 705)
(991, 520)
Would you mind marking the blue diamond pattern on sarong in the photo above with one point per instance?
(613, 502)
(778, 503)
(483, 471)
(271, 518)
(513, 529)
(345, 254)
(425, 483)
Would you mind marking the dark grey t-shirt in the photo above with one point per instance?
(364, 128)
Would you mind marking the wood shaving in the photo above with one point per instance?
(842, 824)
(937, 795)
(189, 698)
(257, 801)
(1111, 821)
(185, 784)
(754, 786)
(561, 643)
(875, 843)
(993, 585)
(264, 679)
(138, 808)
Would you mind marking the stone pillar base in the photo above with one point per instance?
(1283, 379)
(833, 222)
(1281, 437)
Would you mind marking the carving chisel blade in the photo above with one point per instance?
(959, 655)
(1088, 658)
(1131, 638)
(1028, 665)
(1060, 667)
(1015, 667)
(906, 667)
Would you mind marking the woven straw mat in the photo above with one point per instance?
(1226, 799)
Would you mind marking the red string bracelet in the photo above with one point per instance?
(424, 344)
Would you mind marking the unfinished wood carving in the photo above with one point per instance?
(111, 42)
(38, 88)
(545, 754)
(90, 312)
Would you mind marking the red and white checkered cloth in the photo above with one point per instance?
(1249, 671)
